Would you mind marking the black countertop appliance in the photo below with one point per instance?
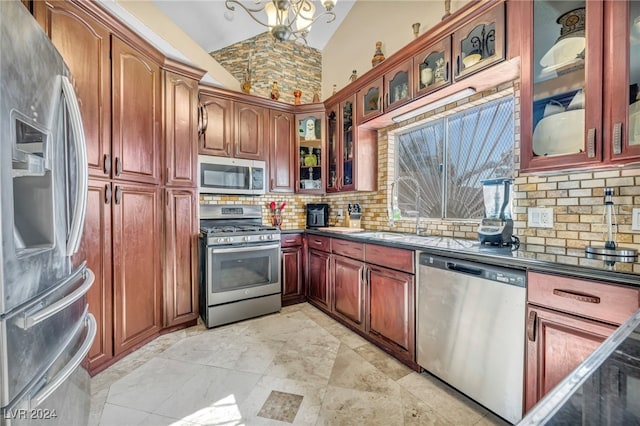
(317, 215)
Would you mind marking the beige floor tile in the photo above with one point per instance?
(390, 366)
(224, 375)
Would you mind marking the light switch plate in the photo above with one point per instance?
(635, 220)
(540, 217)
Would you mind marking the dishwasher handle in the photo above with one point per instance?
(464, 269)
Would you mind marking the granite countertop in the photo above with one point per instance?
(603, 389)
(525, 256)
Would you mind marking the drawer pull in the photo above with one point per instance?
(531, 326)
(317, 242)
(580, 297)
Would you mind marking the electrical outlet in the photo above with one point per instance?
(635, 220)
(540, 217)
(340, 214)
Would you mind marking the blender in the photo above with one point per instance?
(496, 227)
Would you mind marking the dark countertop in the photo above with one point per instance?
(527, 256)
(604, 389)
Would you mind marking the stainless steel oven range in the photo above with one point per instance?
(239, 264)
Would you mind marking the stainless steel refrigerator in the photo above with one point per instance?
(45, 328)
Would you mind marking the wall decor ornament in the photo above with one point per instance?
(378, 56)
(297, 94)
(275, 91)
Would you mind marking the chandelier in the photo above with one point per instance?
(286, 19)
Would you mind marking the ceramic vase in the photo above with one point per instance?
(426, 76)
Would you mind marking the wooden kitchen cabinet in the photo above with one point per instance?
(560, 343)
(390, 321)
(318, 264)
(136, 119)
(348, 282)
(137, 283)
(391, 313)
(95, 248)
(180, 270)
(479, 43)
(282, 152)
(250, 131)
(352, 151)
(293, 290)
(431, 67)
(85, 45)
(232, 128)
(393, 89)
(583, 111)
(567, 319)
(310, 149)
(318, 278)
(180, 95)
(370, 100)
(217, 127)
(398, 85)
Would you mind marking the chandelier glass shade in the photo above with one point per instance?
(286, 19)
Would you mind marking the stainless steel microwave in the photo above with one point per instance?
(223, 175)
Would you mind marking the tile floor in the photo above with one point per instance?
(296, 367)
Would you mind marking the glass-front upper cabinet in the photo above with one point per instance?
(431, 67)
(332, 149)
(561, 102)
(398, 85)
(348, 142)
(311, 153)
(480, 43)
(369, 101)
(622, 20)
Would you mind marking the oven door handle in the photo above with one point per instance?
(244, 248)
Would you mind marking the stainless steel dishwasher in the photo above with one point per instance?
(470, 330)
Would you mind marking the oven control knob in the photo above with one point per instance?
(221, 240)
(228, 239)
(246, 238)
(263, 237)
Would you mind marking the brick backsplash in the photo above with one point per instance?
(577, 200)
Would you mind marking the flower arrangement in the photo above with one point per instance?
(276, 213)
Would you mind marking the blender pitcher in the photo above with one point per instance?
(496, 227)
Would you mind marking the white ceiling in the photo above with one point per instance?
(205, 22)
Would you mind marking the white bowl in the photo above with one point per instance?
(471, 60)
(561, 133)
(577, 102)
(563, 52)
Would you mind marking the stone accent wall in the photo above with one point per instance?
(292, 65)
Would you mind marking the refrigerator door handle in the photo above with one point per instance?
(37, 315)
(68, 369)
(80, 207)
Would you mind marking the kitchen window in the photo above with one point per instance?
(449, 157)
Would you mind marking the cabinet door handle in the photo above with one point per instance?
(107, 193)
(458, 65)
(118, 166)
(446, 71)
(591, 143)
(617, 138)
(107, 164)
(580, 297)
(380, 103)
(118, 195)
(531, 326)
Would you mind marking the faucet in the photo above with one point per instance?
(394, 200)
